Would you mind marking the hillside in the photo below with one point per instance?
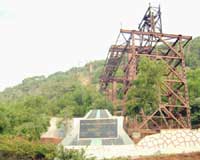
(73, 93)
(55, 84)
(26, 108)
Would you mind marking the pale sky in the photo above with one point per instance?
(40, 37)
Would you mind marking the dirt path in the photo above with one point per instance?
(189, 156)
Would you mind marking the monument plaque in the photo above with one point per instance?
(98, 128)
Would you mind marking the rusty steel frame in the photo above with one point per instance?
(173, 110)
(151, 22)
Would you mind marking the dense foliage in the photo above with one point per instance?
(192, 53)
(72, 155)
(16, 148)
(145, 91)
(193, 79)
(24, 117)
(25, 109)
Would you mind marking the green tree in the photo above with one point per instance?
(16, 148)
(63, 154)
(145, 91)
(195, 112)
(4, 120)
(193, 80)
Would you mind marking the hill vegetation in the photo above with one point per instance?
(26, 108)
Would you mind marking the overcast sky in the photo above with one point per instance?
(40, 37)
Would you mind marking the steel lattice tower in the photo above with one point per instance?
(174, 111)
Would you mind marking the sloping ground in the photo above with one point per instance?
(189, 156)
(53, 130)
(54, 133)
(172, 141)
